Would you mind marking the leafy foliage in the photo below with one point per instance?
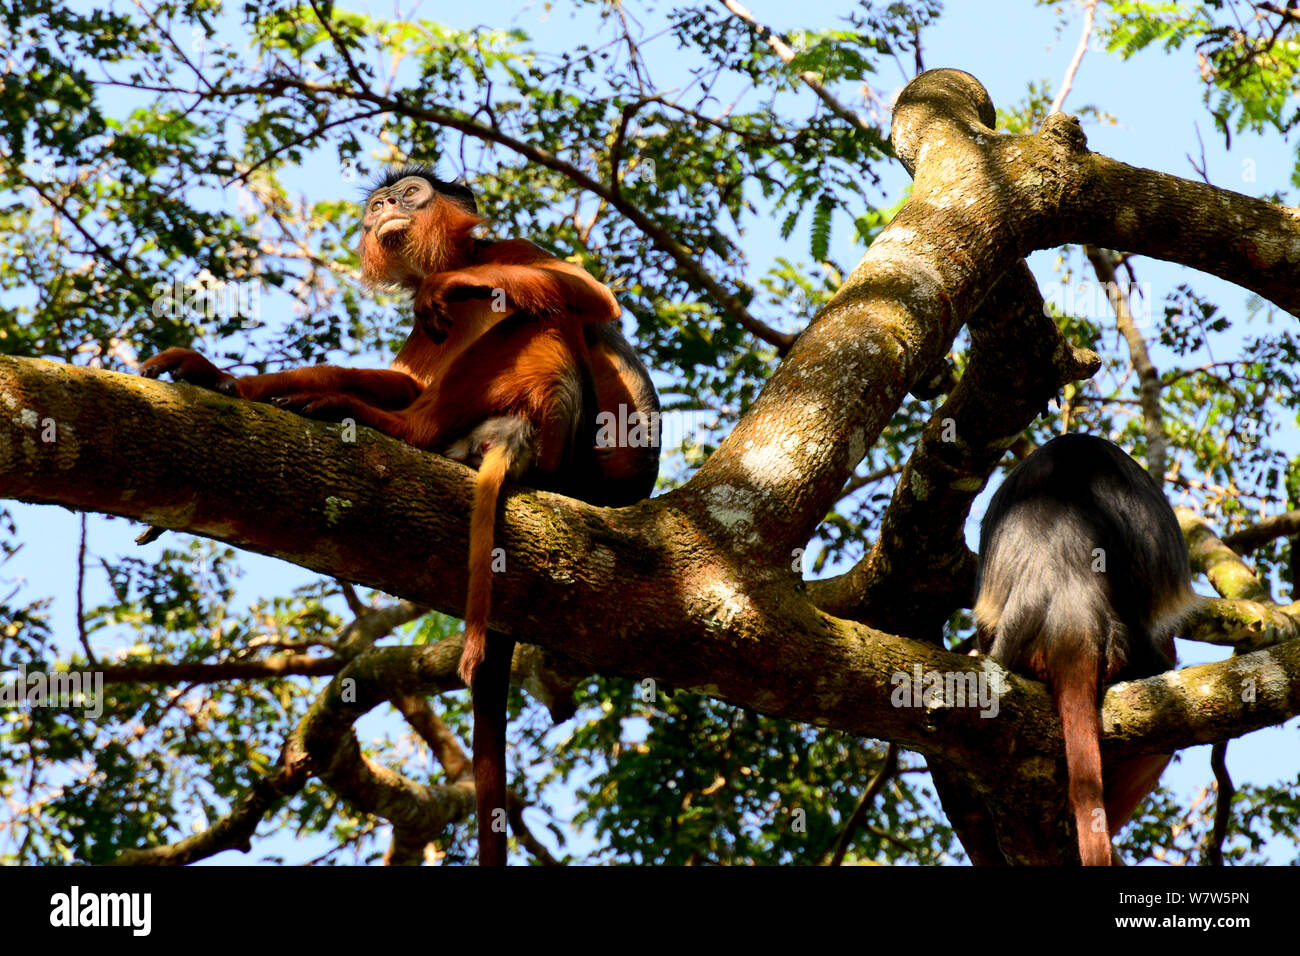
(1248, 57)
(186, 171)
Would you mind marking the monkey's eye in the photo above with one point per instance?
(412, 190)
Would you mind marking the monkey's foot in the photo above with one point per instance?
(186, 365)
(323, 406)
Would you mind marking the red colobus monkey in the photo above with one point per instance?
(514, 358)
(1083, 578)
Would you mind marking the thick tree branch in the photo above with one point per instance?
(1247, 241)
(281, 665)
(417, 812)
(980, 202)
(1247, 618)
(640, 591)
(1268, 529)
(919, 570)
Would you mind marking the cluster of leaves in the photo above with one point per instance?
(1248, 56)
(683, 779)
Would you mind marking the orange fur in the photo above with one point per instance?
(478, 601)
(499, 331)
(1074, 688)
(441, 239)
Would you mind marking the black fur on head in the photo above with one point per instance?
(458, 193)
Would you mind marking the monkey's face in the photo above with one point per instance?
(391, 210)
(413, 225)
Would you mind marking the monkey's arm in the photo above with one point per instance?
(546, 288)
(523, 368)
(382, 388)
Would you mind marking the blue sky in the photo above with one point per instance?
(1155, 99)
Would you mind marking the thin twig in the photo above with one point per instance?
(1222, 803)
(81, 595)
(883, 775)
(1089, 8)
(1103, 263)
(810, 78)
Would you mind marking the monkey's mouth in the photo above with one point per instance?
(392, 227)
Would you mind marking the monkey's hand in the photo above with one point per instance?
(324, 406)
(186, 365)
(438, 297)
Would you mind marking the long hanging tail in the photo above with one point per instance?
(490, 689)
(485, 664)
(1074, 686)
(482, 523)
